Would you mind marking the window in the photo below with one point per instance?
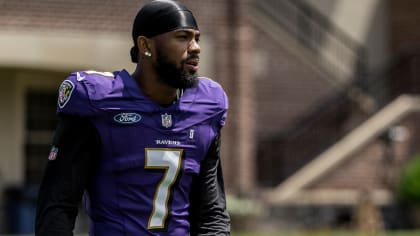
(41, 121)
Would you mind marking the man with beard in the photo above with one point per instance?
(144, 149)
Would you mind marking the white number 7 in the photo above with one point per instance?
(168, 160)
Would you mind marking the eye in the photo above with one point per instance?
(182, 36)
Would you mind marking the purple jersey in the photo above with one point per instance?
(149, 153)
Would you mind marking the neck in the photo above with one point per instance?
(153, 88)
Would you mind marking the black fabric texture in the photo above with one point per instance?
(66, 177)
(208, 213)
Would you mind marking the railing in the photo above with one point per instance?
(340, 55)
(283, 154)
(333, 118)
(335, 155)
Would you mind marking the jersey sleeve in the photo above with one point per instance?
(224, 106)
(73, 97)
(222, 100)
(213, 91)
(79, 91)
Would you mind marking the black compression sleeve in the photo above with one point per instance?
(208, 213)
(65, 178)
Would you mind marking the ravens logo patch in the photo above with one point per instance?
(64, 93)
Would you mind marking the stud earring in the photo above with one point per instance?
(148, 54)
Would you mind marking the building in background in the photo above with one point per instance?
(316, 114)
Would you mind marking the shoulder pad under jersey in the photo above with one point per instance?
(79, 91)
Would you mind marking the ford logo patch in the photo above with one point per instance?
(127, 118)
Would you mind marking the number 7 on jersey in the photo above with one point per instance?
(168, 160)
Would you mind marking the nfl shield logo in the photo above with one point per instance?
(53, 153)
(166, 120)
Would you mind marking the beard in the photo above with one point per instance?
(173, 75)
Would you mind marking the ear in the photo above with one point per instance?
(144, 44)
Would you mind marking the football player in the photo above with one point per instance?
(142, 148)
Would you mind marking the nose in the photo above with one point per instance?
(194, 47)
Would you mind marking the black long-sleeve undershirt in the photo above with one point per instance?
(208, 214)
(66, 177)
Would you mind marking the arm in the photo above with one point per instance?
(66, 177)
(208, 213)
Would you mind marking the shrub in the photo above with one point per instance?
(408, 191)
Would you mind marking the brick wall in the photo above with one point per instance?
(404, 18)
(286, 86)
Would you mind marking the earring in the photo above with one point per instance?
(148, 54)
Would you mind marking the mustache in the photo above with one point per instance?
(193, 57)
